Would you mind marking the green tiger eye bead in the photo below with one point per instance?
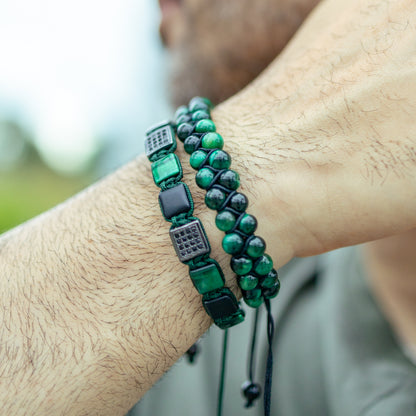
(256, 247)
(214, 198)
(241, 265)
(212, 141)
(232, 243)
(239, 202)
(263, 265)
(272, 292)
(197, 158)
(269, 280)
(184, 118)
(247, 282)
(230, 179)
(198, 103)
(220, 159)
(225, 220)
(200, 115)
(253, 298)
(183, 109)
(190, 144)
(248, 224)
(208, 102)
(204, 178)
(184, 130)
(205, 126)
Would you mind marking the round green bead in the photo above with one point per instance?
(248, 224)
(208, 102)
(198, 103)
(241, 265)
(272, 292)
(269, 280)
(263, 265)
(225, 220)
(239, 201)
(190, 144)
(247, 282)
(214, 198)
(200, 115)
(253, 298)
(256, 247)
(230, 179)
(184, 118)
(204, 178)
(183, 109)
(184, 130)
(205, 126)
(197, 158)
(212, 141)
(220, 159)
(232, 243)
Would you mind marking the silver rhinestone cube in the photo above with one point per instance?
(159, 137)
(189, 241)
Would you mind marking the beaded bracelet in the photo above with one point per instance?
(187, 233)
(256, 276)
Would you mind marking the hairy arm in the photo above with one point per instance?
(95, 305)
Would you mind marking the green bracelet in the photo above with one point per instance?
(186, 232)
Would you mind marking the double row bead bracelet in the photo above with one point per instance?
(256, 276)
(187, 233)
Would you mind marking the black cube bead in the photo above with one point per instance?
(222, 306)
(174, 201)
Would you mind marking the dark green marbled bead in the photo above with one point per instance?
(190, 144)
(208, 102)
(219, 159)
(200, 115)
(241, 265)
(239, 202)
(253, 298)
(184, 118)
(198, 103)
(197, 158)
(212, 141)
(184, 130)
(205, 126)
(269, 280)
(263, 265)
(214, 198)
(272, 292)
(183, 109)
(232, 243)
(256, 247)
(230, 179)
(225, 220)
(247, 282)
(204, 178)
(248, 224)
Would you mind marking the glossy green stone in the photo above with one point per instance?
(239, 202)
(230, 179)
(230, 321)
(204, 178)
(214, 198)
(198, 103)
(165, 168)
(256, 247)
(184, 118)
(207, 278)
(241, 265)
(232, 243)
(184, 130)
(269, 280)
(263, 265)
(208, 102)
(200, 115)
(197, 158)
(190, 144)
(225, 220)
(183, 109)
(212, 141)
(248, 224)
(219, 159)
(253, 298)
(247, 282)
(272, 292)
(205, 126)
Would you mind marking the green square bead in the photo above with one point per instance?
(207, 278)
(165, 168)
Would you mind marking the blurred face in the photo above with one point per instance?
(219, 46)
